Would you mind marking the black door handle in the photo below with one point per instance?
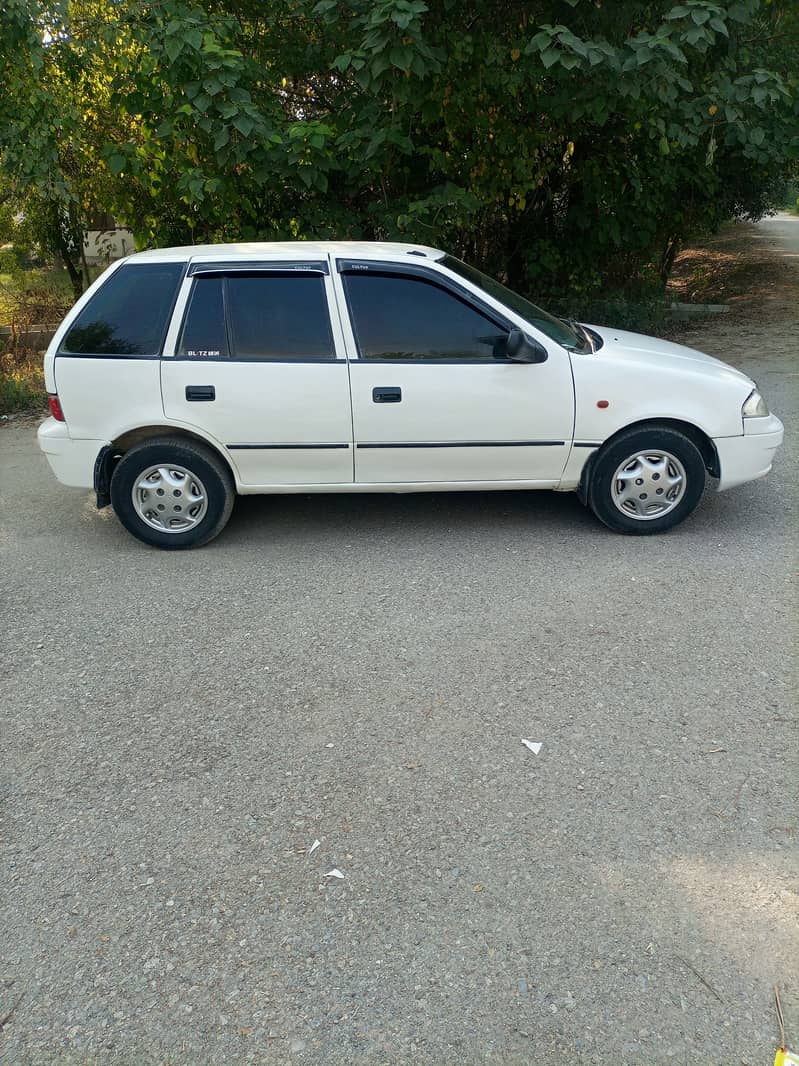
(200, 392)
(387, 395)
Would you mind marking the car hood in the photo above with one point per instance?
(654, 352)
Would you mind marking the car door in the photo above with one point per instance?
(435, 398)
(257, 362)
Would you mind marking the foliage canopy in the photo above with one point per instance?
(566, 144)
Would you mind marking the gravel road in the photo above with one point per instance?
(178, 730)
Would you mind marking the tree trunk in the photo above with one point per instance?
(668, 257)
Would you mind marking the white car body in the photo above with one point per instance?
(313, 426)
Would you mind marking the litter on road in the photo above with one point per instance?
(335, 873)
(314, 846)
(532, 745)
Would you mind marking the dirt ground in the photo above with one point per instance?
(744, 266)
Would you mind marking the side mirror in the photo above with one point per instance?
(523, 349)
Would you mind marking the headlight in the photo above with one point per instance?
(755, 406)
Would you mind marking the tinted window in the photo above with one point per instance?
(556, 328)
(204, 334)
(129, 314)
(275, 317)
(398, 317)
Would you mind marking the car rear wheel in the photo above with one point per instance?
(172, 493)
(646, 481)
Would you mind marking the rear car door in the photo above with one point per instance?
(256, 361)
(435, 398)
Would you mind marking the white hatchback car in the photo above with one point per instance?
(187, 375)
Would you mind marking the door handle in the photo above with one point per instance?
(200, 392)
(387, 395)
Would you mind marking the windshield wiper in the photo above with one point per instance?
(582, 332)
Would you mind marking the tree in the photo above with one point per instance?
(568, 145)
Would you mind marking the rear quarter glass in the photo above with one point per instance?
(129, 314)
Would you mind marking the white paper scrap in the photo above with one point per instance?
(314, 846)
(335, 873)
(532, 745)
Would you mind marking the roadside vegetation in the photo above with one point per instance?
(569, 147)
(30, 297)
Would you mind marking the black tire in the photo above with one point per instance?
(199, 463)
(628, 446)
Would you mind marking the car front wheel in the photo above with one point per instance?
(172, 493)
(646, 480)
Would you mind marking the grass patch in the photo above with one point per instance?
(36, 295)
(22, 384)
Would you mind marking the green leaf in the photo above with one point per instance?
(740, 12)
(173, 46)
(342, 62)
(540, 41)
(379, 65)
(757, 135)
(222, 138)
(663, 144)
(117, 164)
(418, 66)
(244, 125)
(363, 77)
(694, 35)
(550, 57)
(400, 58)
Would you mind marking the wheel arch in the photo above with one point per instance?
(704, 444)
(110, 455)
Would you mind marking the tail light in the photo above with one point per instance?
(54, 404)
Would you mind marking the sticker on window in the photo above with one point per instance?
(199, 353)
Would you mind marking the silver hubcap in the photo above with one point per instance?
(648, 485)
(169, 498)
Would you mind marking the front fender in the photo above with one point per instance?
(630, 391)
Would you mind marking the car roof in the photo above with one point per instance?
(305, 249)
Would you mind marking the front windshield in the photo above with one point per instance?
(554, 328)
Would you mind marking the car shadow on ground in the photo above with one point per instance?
(543, 515)
(442, 513)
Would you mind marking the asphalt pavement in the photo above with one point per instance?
(178, 729)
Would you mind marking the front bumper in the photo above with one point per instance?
(72, 461)
(750, 456)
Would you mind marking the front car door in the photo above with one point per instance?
(256, 361)
(435, 398)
